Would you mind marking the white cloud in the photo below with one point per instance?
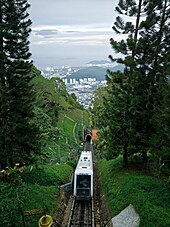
(71, 29)
(77, 28)
(92, 34)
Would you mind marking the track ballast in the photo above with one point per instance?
(82, 214)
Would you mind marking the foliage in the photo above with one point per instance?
(135, 104)
(160, 139)
(18, 135)
(9, 209)
(70, 125)
(46, 96)
(38, 190)
(123, 187)
(58, 117)
(47, 175)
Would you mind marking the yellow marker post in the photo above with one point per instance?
(45, 221)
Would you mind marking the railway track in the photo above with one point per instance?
(82, 211)
(82, 214)
(88, 147)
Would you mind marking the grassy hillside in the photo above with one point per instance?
(59, 117)
(60, 121)
(150, 196)
(70, 125)
(35, 189)
(51, 91)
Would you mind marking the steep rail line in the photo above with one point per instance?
(82, 214)
(88, 146)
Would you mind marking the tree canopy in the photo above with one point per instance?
(18, 135)
(137, 98)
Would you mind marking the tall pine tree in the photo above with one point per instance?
(155, 37)
(18, 135)
(124, 105)
(145, 57)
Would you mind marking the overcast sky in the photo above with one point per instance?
(71, 32)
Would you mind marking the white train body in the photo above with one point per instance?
(83, 176)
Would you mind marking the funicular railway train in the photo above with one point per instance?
(83, 175)
(82, 210)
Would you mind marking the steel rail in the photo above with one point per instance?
(82, 214)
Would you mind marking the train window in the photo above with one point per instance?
(83, 181)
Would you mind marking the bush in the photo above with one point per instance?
(9, 207)
(48, 175)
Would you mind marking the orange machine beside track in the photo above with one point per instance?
(94, 134)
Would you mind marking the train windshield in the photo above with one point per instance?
(83, 181)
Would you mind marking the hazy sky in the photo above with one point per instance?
(71, 32)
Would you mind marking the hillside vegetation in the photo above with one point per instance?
(149, 196)
(33, 189)
(59, 116)
(133, 115)
(60, 120)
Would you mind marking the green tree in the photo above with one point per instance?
(137, 94)
(160, 139)
(153, 59)
(97, 104)
(122, 86)
(18, 135)
(115, 116)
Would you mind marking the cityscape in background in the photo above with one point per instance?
(83, 86)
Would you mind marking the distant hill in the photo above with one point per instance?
(94, 72)
(97, 62)
(119, 67)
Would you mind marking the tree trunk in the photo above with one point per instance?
(144, 156)
(145, 159)
(137, 27)
(125, 155)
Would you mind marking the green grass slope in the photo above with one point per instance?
(60, 119)
(36, 189)
(59, 116)
(70, 125)
(150, 196)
